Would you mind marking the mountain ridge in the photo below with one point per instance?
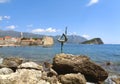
(71, 38)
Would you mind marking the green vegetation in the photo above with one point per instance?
(93, 41)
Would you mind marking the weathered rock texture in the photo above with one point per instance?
(12, 62)
(72, 79)
(48, 41)
(116, 80)
(23, 76)
(30, 65)
(27, 73)
(66, 63)
(4, 71)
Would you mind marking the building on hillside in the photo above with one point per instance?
(7, 38)
(1, 38)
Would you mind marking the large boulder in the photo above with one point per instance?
(12, 62)
(67, 63)
(30, 65)
(72, 79)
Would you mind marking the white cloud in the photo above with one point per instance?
(92, 2)
(85, 36)
(6, 17)
(72, 33)
(4, 1)
(11, 27)
(50, 30)
(1, 18)
(40, 30)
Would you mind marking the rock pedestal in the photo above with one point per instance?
(67, 63)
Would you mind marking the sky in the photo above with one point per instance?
(87, 18)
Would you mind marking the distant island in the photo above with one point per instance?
(93, 41)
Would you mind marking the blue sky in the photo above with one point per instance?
(88, 18)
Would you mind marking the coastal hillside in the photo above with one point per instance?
(71, 38)
(93, 41)
(17, 34)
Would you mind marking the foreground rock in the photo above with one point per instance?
(72, 79)
(12, 62)
(116, 80)
(66, 63)
(23, 76)
(30, 65)
(27, 73)
(4, 71)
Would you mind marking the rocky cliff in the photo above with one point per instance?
(47, 41)
(93, 41)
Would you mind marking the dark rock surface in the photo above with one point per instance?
(66, 63)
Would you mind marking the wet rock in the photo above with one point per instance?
(72, 79)
(4, 71)
(12, 62)
(67, 63)
(30, 65)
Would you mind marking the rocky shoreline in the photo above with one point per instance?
(65, 69)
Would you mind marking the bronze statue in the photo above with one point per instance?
(62, 39)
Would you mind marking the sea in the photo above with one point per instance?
(100, 54)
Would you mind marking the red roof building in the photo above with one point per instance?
(7, 37)
(1, 38)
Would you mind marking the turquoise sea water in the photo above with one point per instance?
(98, 53)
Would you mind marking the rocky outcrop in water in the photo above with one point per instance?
(47, 41)
(66, 63)
(93, 41)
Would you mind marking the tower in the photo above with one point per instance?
(21, 34)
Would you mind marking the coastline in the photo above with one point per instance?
(46, 66)
(9, 45)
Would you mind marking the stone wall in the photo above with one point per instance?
(47, 41)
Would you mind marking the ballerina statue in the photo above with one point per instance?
(62, 39)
